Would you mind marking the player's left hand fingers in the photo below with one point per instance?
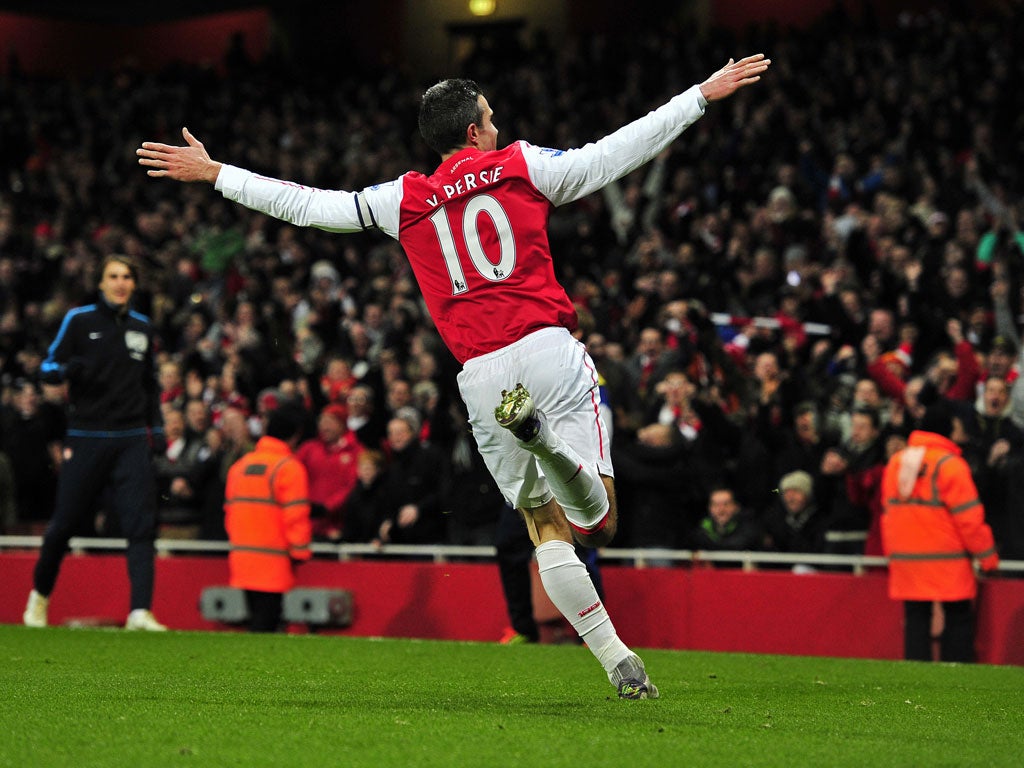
(151, 158)
(155, 146)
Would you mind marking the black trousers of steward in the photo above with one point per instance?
(957, 640)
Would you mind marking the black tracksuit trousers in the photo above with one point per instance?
(120, 463)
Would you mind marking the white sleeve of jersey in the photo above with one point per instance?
(331, 210)
(566, 175)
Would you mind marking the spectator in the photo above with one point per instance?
(412, 506)
(364, 510)
(711, 440)
(337, 381)
(1002, 354)
(854, 472)
(773, 397)
(197, 419)
(330, 460)
(470, 498)
(651, 363)
(993, 443)
(31, 432)
(228, 442)
(802, 446)
(794, 524)
(728, 526)
(172, 384)
(179, 474)
(365, 419)
(399, 396)
(663, 491)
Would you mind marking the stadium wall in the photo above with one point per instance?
(68, 46)
(699, 608)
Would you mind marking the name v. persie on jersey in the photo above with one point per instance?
(467, 182)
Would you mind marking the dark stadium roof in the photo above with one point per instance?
(131, 11)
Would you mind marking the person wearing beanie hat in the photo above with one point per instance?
(794, 524)
(933, 531)
(331, 459)
(799, 481)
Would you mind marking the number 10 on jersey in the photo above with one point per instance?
(476, 206)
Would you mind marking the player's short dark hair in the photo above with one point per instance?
(287, 421)
(446, 110)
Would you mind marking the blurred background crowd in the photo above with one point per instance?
(765, 301)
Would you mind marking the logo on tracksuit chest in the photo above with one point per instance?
(137, 343)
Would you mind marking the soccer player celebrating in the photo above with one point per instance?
(475, 233)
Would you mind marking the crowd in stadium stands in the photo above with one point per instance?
(765, 301)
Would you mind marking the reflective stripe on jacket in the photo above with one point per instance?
(933, 523)
(266, 514)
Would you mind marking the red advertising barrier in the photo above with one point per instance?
(717, 609)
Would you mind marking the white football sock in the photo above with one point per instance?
(577, 487)
(567, 583)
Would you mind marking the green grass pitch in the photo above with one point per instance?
(82, 698)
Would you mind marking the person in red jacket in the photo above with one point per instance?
(331, 459)
(956, 374)
(933, 529)
(266, 514)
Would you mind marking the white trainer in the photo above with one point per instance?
(35, 611)
(144, 620)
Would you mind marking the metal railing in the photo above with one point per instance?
(443, 553)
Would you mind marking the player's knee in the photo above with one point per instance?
(600, 534)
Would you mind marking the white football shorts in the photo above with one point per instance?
(562, 380)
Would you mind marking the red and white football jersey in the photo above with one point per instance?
(475, 231)
(476, 236)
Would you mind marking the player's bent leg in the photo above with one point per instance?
(602, 533)
(580, 489)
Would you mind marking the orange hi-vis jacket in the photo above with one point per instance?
(933, 524)
(266, 514)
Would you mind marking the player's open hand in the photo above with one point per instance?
(188, 163)
(733, 76)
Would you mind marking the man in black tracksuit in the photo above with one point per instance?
(104, 351)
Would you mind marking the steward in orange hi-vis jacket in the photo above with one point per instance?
(933, 528)
(266, 515)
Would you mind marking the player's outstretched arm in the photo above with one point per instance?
(733, 76)
(188, 163)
